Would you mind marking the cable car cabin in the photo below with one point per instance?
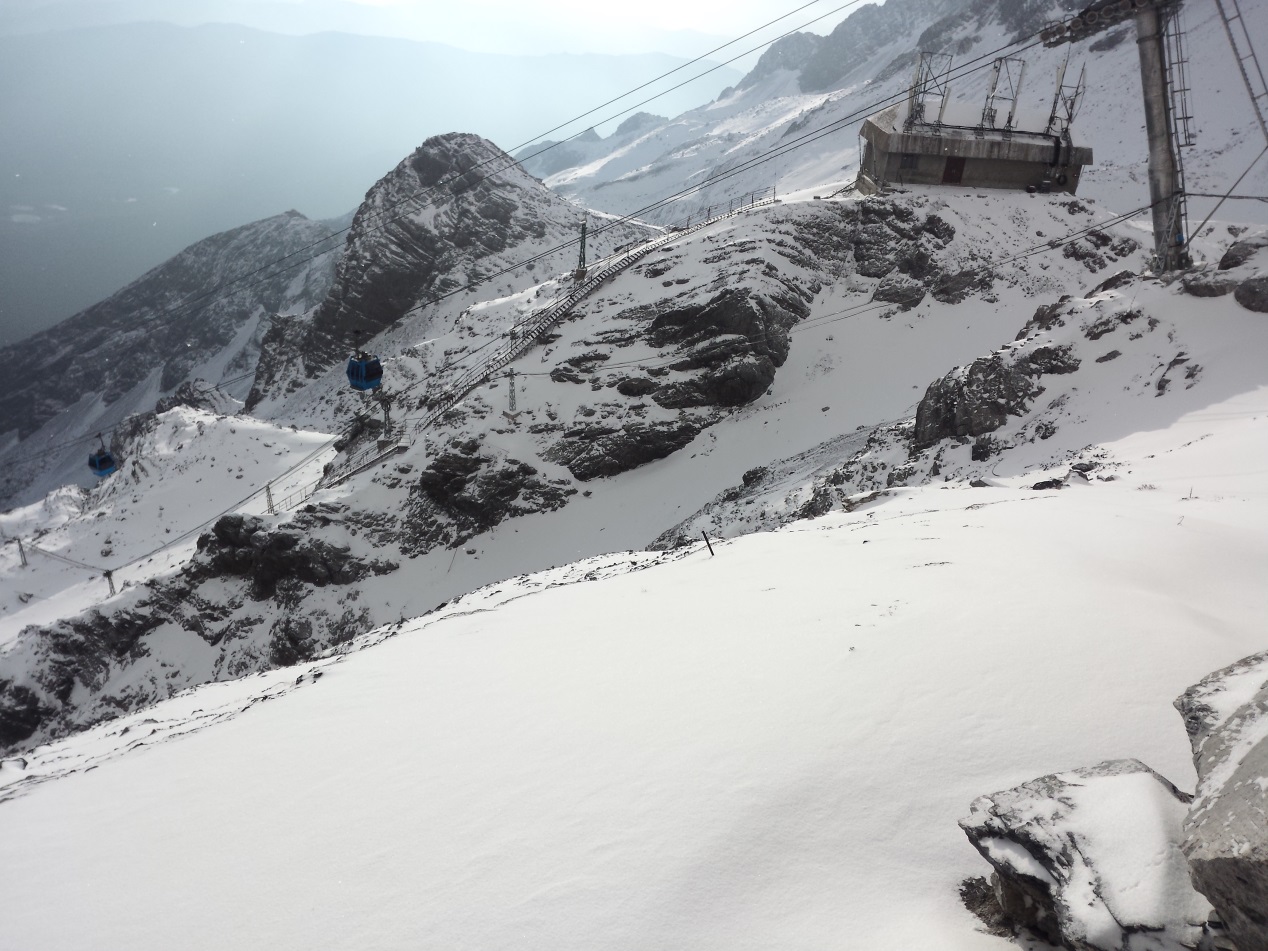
(365, 372)
(102, 463)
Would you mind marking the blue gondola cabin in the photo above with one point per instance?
(365, 372)
(102, 463)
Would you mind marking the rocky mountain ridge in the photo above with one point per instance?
(201, 314)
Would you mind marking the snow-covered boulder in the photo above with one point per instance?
(1090, 858)
(1226, 831)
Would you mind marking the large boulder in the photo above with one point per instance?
(1252, 294)
(1226, 832)
(1090, 859)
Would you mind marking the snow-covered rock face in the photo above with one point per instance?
(186, 317)
(1090, 859)
(455, 212)
(1225, 832)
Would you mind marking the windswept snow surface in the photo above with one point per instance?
(765, 748)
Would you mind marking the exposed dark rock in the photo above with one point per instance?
(904, 292)
(1057, 846)
(1206, 284)
(479, 207)
(1106, 358)
(464, 493)
(954, 288)
(595, 450)
(1252, 294)
(636, 386)
(972, 401)
(1114, 282)
(89, 657)
(1110, 322)
(979, 898)
(1242, 251)
(740, 380)
(1045, 318)
(21, 713)
(241, 546)
(1225, 836)
(1048, 360)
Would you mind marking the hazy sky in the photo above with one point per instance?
(494, 26)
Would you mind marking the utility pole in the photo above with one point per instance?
(109, 576)
(580, 273)
(510, 376)
(268, 498)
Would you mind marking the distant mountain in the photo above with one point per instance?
(200, 313)
(126, 143)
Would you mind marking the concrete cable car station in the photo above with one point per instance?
(929, 140)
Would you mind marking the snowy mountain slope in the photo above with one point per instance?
(1042, 406)
(767, 747)
(181, 321)
(456, 211)
(754, 339)
(808, 109)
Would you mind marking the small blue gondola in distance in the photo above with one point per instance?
(102, 463)
(365, 372)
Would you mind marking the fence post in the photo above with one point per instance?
(21, 553)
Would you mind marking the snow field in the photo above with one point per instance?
(770, 747)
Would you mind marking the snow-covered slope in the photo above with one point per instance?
(768, 747)
(752, 340)
(794, 119)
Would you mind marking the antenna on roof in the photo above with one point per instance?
(1010, 69)
(1066, 100)
(929, 78)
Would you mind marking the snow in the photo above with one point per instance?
(144, 521)
(769, 747)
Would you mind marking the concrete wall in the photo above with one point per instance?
(989, 161)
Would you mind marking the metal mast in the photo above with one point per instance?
(1155, 38)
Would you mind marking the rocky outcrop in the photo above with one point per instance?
(198, 394)
(454, 212)
(600, 449)
(232, 606)
(464, 492)
(1225, 832)
(1090, 859)
(1252, 294)
(1240, 252)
